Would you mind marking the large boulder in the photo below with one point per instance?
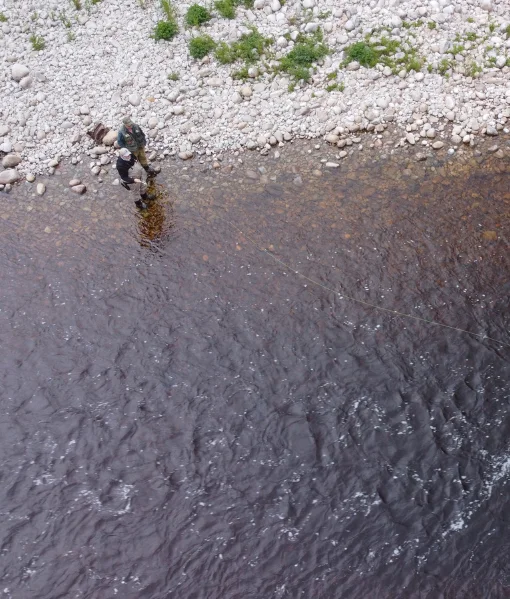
(9, 176)
(110, 138)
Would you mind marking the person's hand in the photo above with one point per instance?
(138, 180)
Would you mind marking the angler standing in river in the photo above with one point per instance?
(125, 163)
(132, 138)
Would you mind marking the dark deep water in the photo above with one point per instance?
(185, 417)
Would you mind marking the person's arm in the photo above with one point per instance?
(120, 140)
(143, 136)
(123, 169)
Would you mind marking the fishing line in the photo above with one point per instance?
(342, 295)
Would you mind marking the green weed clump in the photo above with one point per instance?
(3, 18)
(173, 76)
(197, 15)
(77, 4)
(249, 48)
(336, 87)
(165, 30)
(431, 24)
(227, 8)
(37, 42)
(307, 50)
(385, 52)
(201, 46)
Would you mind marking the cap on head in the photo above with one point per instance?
(125, 154)
(127, 121)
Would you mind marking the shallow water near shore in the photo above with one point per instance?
(185, 416)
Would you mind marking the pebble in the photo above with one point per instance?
(30, 177)
(74, 182)
(79, 189)
(332, 164)
(41, 188)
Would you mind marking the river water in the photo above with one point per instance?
(184, 416)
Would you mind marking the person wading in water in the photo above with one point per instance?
(125, 162)
(132, 138)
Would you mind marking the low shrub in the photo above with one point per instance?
(201, 46)
(197, 15)
(165, 30)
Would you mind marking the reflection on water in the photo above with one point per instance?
(157, 221)
(198, 421)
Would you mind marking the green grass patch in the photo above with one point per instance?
(336, 87)
(37, 42)
(197, 15)
(201, 46)
(444, 66)
(431, 24)
(471, 36)
(249, 48)
(307, 50)
(470, 20)
(3, 18)
(168, 9)
(388, 52)
(473, 69)
(457, 49)
(173, 76)
(241, 74)
(226, 8)
(332, 76)
(77, 4)
(507, 31)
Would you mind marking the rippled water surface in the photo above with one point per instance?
(183, 416)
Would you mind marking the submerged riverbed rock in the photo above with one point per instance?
(79, 189)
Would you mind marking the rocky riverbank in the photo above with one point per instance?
(432, 75)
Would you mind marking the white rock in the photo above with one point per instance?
(74, 182)
(41, 188)
(9, 176)
(6, 147)
(18, 71)
(275, 5)
(178, 110)
(350, 25)
(110, 138)
(449, 102)
(4, 130)
(332, 138)
(134, 99)
(79, 189)
(486, 5)
(437, 145)
(153, 122)
(84, 109)
(332, 164)
(185, 155)
(30, 177)
(246, 91)
(26, 82)
(195, 138)
(410, 139)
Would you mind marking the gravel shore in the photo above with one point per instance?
(436, 73)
